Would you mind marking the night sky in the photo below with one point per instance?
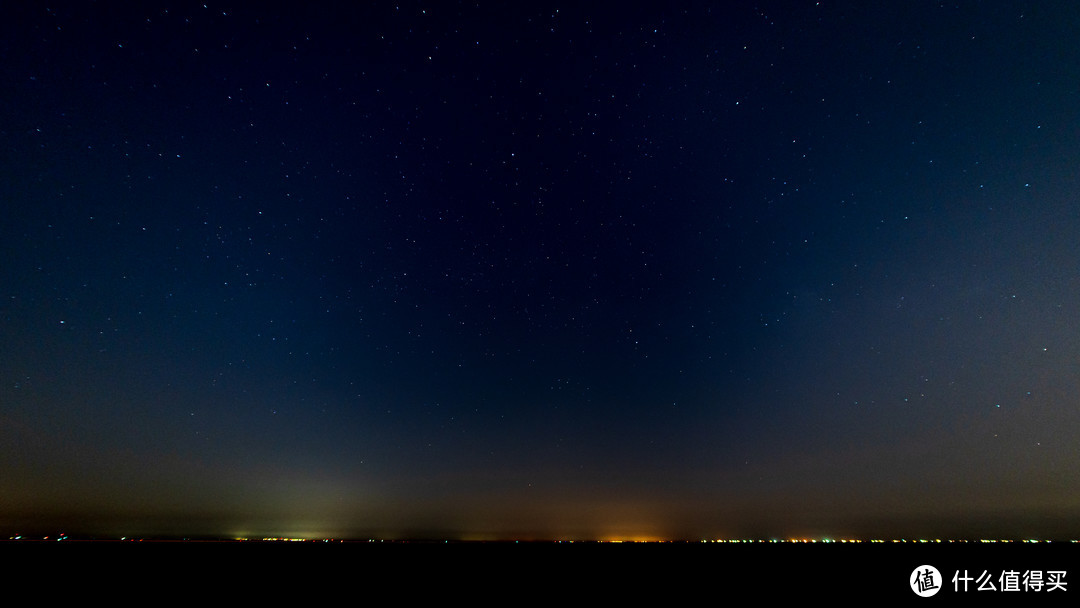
(540, 270)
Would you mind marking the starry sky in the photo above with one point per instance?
(540, 270)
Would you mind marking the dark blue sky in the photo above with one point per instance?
(466, 269)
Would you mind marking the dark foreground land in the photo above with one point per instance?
(1010, 569)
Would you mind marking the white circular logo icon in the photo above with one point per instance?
(925, 581)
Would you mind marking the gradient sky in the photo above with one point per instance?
(462, 269)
